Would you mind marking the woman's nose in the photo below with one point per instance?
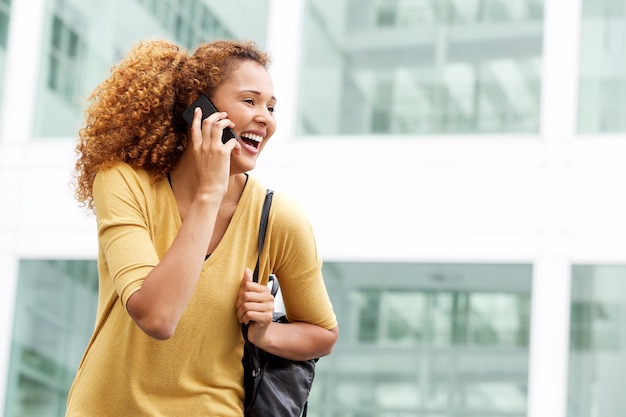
(264, 116)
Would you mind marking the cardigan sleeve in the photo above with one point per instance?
(123, 232)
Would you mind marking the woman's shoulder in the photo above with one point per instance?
(283, 204)
(287, 213)
(286, 204)
(124, 172)
(126, 181)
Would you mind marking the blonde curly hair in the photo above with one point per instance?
(135, 116)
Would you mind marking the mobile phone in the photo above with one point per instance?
(207, 109)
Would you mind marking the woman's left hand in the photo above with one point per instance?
(255, 306)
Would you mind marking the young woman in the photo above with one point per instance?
(177, 218)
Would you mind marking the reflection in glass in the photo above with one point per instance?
(54, 318)
(427, 340)
(450, 318)
(602, 94)
(597, 356)
(420, 67)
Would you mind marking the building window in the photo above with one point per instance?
(5, 8)
(442, 318)
(420, 67)
(64, 60)
(54, 318)
(597, 355)
(189, 21)
(426, 339)
(602, 86)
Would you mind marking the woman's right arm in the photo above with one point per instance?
(163, 297)
(160, 302)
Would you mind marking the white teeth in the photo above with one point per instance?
(252, 136)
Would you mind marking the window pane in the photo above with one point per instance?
(420, 67)
(597, 356)
(4, 28)
(74, 41)
(53, 73)
(602, 94)
(57, 33)
(426, 340)
(54, 318)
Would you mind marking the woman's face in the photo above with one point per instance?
(248, 98)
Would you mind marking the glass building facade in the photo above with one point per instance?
(475, 258)
(430, 339)
(597, 340)
(420, 67)
(54, 319)
(603, 60)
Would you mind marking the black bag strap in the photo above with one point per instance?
(265, 214)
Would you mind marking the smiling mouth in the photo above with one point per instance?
(251, 139)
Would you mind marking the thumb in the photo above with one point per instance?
(247, 275)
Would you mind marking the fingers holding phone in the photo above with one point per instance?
(216, 129)
(211, 155)
(207, 108)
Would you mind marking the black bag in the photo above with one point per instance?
(274, 386)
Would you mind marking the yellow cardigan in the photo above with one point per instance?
(198, 371)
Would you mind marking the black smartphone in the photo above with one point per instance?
(207, 109)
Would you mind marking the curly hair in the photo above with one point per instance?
(135, 115)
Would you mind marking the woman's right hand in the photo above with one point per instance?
(211, 156)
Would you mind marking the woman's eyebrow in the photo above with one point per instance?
(258, 93)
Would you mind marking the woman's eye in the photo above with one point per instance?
(271, 109)
(249, 101)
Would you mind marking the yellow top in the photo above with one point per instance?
(198, 371)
